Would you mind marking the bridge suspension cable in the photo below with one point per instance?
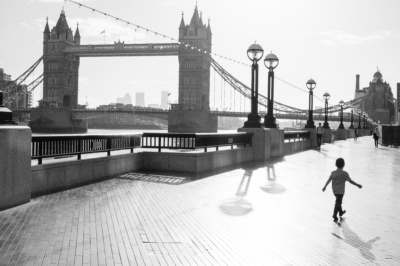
(23, 77)
(29, 89)
(246, 91)
(17, 82)
(263, 101)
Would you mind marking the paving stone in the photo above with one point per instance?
(269, 213)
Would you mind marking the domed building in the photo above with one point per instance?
(379, 103)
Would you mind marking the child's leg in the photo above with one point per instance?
(338, 205)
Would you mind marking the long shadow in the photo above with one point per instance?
(179, 178)
(351, 238)
(238, 206)
(271, 186)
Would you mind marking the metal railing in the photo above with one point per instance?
(195, 140)
(296, 135)
(63, 145)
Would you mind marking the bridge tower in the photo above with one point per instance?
(60, 70)
(194, 64)
(192, 112)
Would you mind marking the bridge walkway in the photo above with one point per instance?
(273, 213)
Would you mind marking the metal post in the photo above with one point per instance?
(269, 120)
(351, 124)
(341, 118)
(326, 124)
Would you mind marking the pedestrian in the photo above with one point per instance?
(375, 135)
(339, 178)
(320, 131)
(355, 134)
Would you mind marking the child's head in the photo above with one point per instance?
(340, 163)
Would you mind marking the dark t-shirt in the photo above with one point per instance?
(339, 178)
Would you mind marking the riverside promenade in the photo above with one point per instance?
(271, 213)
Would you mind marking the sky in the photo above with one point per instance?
(328, 41)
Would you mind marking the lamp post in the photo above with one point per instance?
(326, 97)
(351, 124)
(254, 53)
(311, 84)
(271, 61)
(341, 103)
(364, 114)
(359, 119)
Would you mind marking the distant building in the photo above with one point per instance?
(125, 100)
(164, 99)
(139, 101)
(15, 96)
(379, 102)
(154, 105)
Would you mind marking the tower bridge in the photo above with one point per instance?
(62, 50)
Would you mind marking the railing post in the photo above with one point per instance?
(79, 148)
(108, 146)
(40, 151)
(159, 144)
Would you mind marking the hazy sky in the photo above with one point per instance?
(329, 41)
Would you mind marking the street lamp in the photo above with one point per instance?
(254, 53)
(359, 119)
(311, 84)
(271, 61)
(341, 103)
(364, 114)
(351, 124)
(326, 97)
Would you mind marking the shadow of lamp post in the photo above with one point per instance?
(326, 97)
(311, 84)
(255, 53)
(271, 61)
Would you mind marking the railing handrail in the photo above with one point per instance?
(194, 140)
(45, 146)
(296, 134)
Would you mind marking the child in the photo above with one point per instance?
(339, 178)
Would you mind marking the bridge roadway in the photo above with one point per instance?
(163, 114)
(271, 213)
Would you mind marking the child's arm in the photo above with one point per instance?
(354, 183)
(327, 183)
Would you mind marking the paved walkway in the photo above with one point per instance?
(262, 214)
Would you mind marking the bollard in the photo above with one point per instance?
(15, 160)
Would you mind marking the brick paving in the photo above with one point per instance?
(271, 213)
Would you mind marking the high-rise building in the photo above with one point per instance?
(139, 101)
(15, 96)
(164, 99)
(125, 100)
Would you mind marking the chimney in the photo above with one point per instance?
(357, 82)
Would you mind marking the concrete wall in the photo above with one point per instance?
(297, 146)
(59, 176)
(15, 165)
(49, 178)
(195, 162)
